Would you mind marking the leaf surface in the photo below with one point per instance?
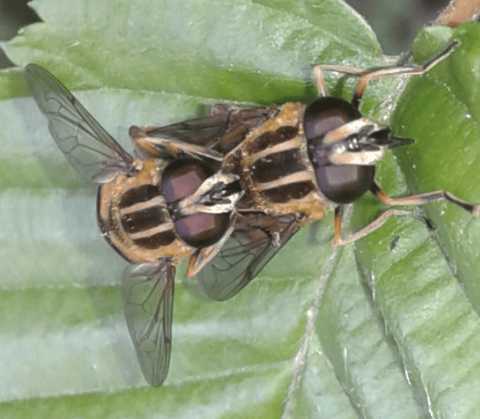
(396, 330)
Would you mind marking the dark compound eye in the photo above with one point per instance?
(346, 183)
(181, 179)
(327, 113)
(341, 184)
(202, 230)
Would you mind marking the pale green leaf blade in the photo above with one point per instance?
(273, 350)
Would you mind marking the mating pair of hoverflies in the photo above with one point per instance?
(226, 191)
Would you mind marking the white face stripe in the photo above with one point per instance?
(364, 158)
(348, 129)
(191, 205)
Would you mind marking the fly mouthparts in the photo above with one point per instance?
(382, 137)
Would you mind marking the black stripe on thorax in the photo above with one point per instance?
(139, 194)
(157, 240)
(285, 193)
(141, 220)
(272, 138)
(275, 166)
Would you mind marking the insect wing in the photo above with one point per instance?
(241, 259)
(148, 302)
(221, 132)
(203, 132)
(89, 148)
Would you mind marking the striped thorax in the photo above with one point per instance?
(274, 166)
(169, 204)
(226, 191)
(133, 216)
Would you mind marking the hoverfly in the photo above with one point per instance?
(304, 160)
(156, 210)
(330, 151)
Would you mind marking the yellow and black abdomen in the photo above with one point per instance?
(273, 165)
(134, 219)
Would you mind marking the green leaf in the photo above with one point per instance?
(426, 289)
(451, 148)
(215, 49)
(278, 348)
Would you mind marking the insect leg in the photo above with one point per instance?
(204, 255)
(424, 198)
(160, 148)
(397, 70)
(377, 223)
(317, 71)
(367, 75)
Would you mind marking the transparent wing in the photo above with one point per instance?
(203, 132)
(220, 132)
(243, 256)
(148, 302)
(89, 148)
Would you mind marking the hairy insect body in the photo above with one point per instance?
(302, 160)
(226, 192)
(170, 204)
(274, 166)
(133, 216)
